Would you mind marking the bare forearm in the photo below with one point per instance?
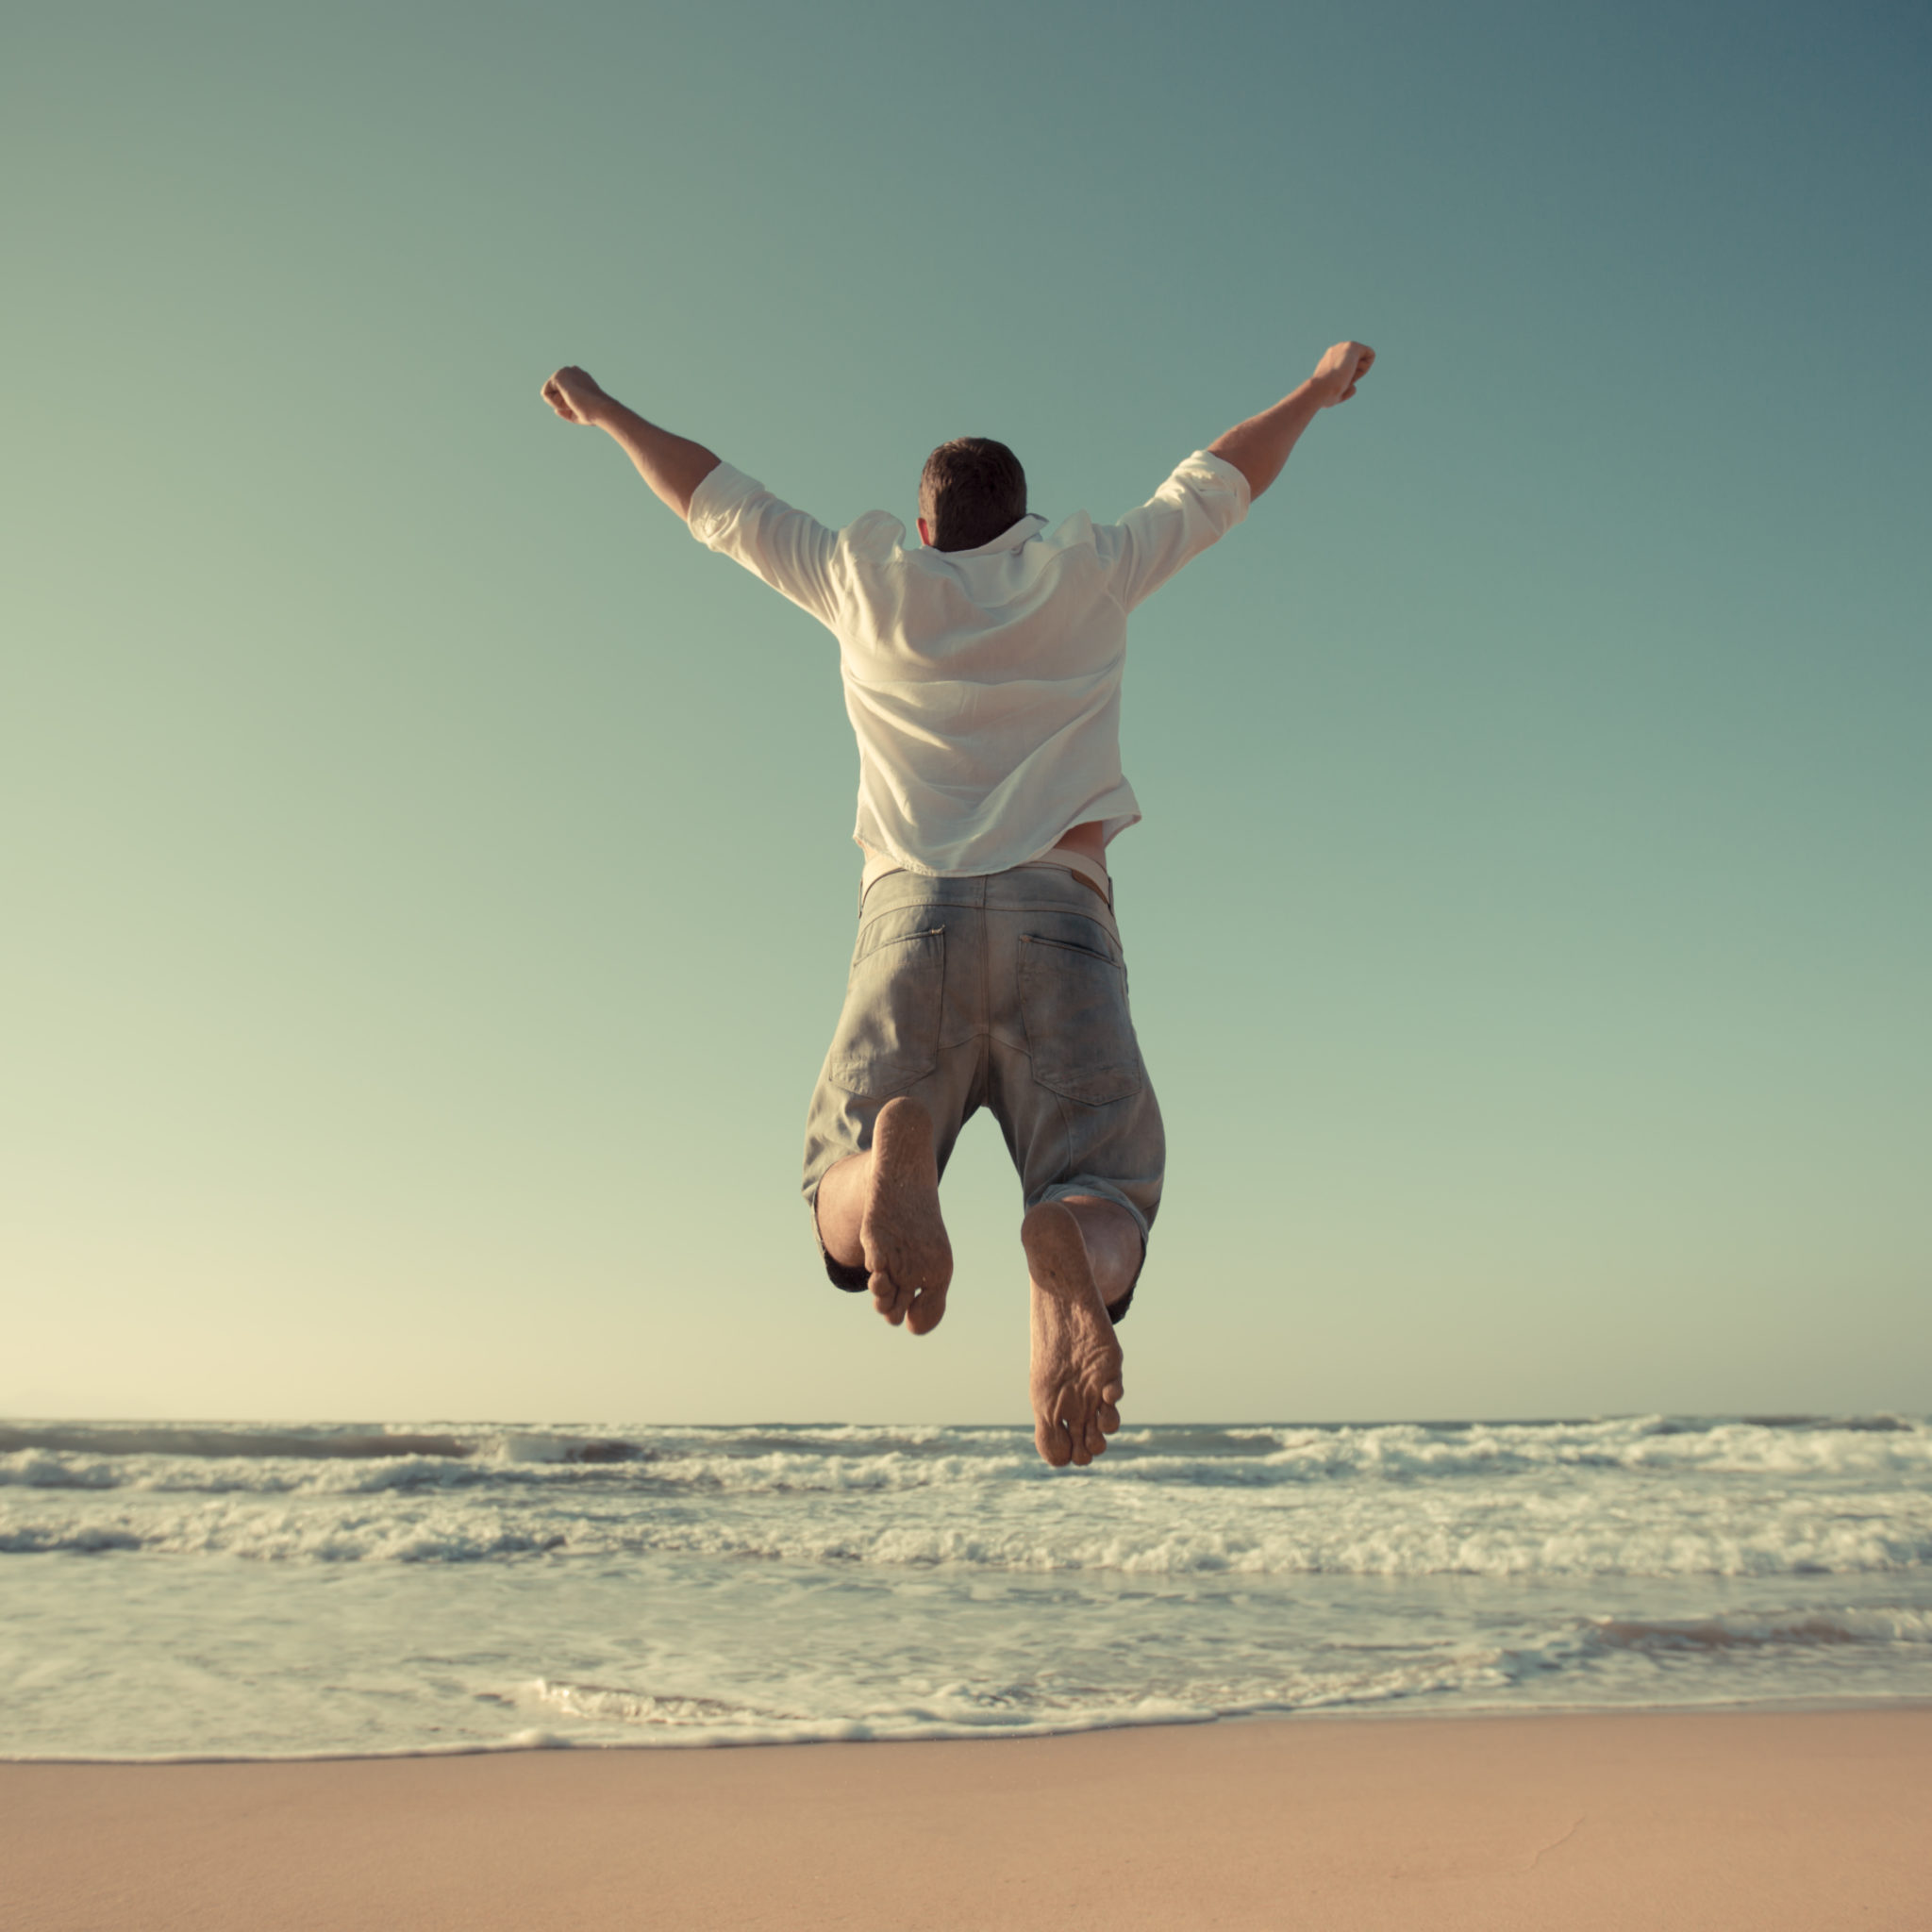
(1259, 447)
(674, 466)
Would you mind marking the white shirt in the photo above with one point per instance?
(984, 685)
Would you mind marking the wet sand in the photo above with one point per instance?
(1762, 1820)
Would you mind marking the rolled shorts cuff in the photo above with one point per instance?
(852, 1280)
(1104, 1190)
(1117, 1310)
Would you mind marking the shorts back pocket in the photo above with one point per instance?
(1078, 1028)
(888, 1032)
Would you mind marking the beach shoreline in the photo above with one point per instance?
(1765, 1818)
(696, 1739)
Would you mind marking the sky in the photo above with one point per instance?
(427, 871)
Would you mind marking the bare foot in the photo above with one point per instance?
(903, 1237)
(1076, 1362)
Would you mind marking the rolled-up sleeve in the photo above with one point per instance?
(737, 515)
(1204, 498)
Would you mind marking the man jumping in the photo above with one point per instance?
(982, 676)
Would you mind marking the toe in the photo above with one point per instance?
(928, 1311)
(1051, 1441)
(1109, 1418)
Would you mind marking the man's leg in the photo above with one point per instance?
(1083, 1253)
(879, 1210)
(1084, 1130)
(901, 1076)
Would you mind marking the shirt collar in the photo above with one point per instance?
(1024, 531)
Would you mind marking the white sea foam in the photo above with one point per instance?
(1396, 1546)
(1558, 1522)
(217, 1457)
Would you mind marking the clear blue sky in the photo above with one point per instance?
(428, 887)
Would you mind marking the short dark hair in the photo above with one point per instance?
(971, 489)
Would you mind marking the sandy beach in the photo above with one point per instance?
(1803, 1820)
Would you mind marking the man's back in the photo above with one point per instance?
(983, 684)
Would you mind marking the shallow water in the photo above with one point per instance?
(244, 1590)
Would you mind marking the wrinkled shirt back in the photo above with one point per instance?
(984, 686)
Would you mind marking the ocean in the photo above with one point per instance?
(235, 1590)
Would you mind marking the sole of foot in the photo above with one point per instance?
(904, 1238)
(1077, 1361)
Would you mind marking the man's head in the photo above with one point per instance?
(971, 489)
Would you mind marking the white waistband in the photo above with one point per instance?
(877, 864)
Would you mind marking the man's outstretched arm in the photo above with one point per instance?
(1200, 502)
(674, 466)
(789, 550)
(1259, 447)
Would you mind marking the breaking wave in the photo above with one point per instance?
(1631, 1496)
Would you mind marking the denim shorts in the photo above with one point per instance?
(1010, 991)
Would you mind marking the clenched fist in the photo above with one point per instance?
(1338, 372)
(573, 392)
